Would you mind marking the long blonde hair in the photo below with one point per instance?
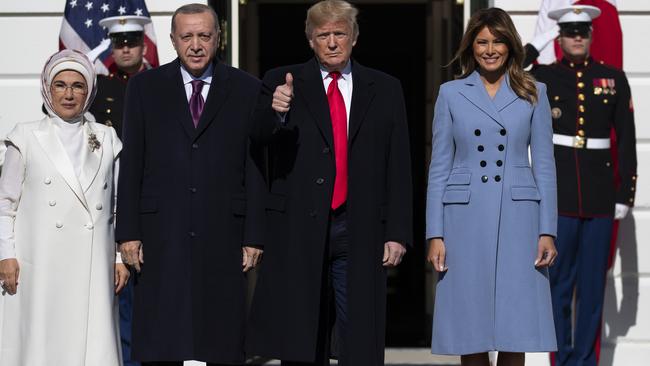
(499, 24)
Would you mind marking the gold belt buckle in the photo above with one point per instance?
(579, 142)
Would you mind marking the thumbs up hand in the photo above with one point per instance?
(283, 95)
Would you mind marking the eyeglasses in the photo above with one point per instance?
(77, 88)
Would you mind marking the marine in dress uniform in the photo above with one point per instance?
(127, 44)
(127, 35)
(587, 100)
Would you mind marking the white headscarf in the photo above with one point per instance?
(68, 60)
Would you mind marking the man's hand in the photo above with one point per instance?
(621, 211)
(132, 253)
(121, 276)
(393, 253)
(437, 254)
(251, 257)
(546, 251)
(9, 271)
(283, 95)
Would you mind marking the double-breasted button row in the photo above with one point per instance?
(484, 163)
(485, 179)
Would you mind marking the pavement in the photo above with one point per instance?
(398, 357)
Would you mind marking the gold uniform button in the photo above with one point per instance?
(108, 110)
(581, 108)
(580, 96)
(607, 164)
(581, 85)
(633, 177)
(581, 133)
(556, 98)
(605, 101)
(631, 200)
(632, 189)
(581, 120)
(579, 74)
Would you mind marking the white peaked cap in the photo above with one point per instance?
(575, 14)
(125, 23)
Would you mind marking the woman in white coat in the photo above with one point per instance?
(58, 265)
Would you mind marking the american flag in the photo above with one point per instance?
(80, 29)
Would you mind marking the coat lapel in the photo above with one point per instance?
(475, 92)
(363, 93)
(309, 86)
(178, 99)
(217, 96)
(49, 141)
(91, 159)
(505, 96)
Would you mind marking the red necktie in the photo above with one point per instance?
(340, 133)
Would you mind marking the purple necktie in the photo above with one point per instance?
(196, 101)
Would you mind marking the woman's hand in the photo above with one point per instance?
(436, 255)
(122, 275)
(9, 271)
(546, 252)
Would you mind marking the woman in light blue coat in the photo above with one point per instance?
(491, 207)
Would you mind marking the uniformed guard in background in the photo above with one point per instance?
(587, 99)
(128, 50)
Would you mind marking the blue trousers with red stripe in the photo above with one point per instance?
(581, 266)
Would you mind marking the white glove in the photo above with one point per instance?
(542, 40)
(95, 52)
(621, 211)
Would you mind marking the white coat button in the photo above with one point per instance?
(59, 224)
(47, 180)
(99, 206)
(52, 203)
(89, 226)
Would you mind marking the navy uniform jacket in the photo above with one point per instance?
(109, 102)
(587, 100)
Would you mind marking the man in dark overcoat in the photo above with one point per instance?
(340, 207)
(189, 200)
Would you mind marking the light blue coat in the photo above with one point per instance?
(490, 203)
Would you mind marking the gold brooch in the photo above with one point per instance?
(93, 143)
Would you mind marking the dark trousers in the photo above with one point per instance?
(581, 264)
(177, 363)
(334, 288)
(126, 313)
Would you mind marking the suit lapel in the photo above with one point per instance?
(363, 93)
(475, 92)
(505, 96)
(309, 87)
(49, 141)
(91, 159)
(178, 99)
(217, 96)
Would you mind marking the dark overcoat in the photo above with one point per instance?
(285, 310)
(186, 193)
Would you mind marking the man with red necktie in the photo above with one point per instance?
(340, 207)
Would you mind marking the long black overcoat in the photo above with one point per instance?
(285, 310)
(186, 193)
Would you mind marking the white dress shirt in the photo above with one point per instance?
(187, 82)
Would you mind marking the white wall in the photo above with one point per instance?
(626, 334)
